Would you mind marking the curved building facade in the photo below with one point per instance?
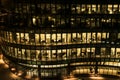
(44, 38)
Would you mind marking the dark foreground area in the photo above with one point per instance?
(5, 74)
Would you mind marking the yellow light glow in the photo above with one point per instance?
(82, 9)
(13, 69)
(1, 61)
(96, 78)
(27, 77)
(77, 7)
(19, 73)
(34, 21)
(53, 19)
(73, 8)
(71, 77)
(115, 5)
(49, 17)
(118, 64)
(6, 66)
(14, 76)
(36, 78)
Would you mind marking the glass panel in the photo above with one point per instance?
(64, 37)
(93, 9)
(59, 40)
(103, 52)
(103, 35)
(74, 37)
(59, 55)
(42, 38)
(118, 35)
(113, 52)
(110, 9)
(37, 38)
(88, 9)
(88, 37)
(48, 38)
(68, 37)
(84, 37)
(64, 54)
(54, 55)
(53, 40)
(116, 8)
(117, 52)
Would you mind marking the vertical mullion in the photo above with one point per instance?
(112, 14)
(67, 43)
(115, 53)
(55, 8)
(39, 37)
(50, 44)
(101, 42)
(61, 15)
(86, 37)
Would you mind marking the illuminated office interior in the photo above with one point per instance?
(46, 39)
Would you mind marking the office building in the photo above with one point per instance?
(59, 38)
